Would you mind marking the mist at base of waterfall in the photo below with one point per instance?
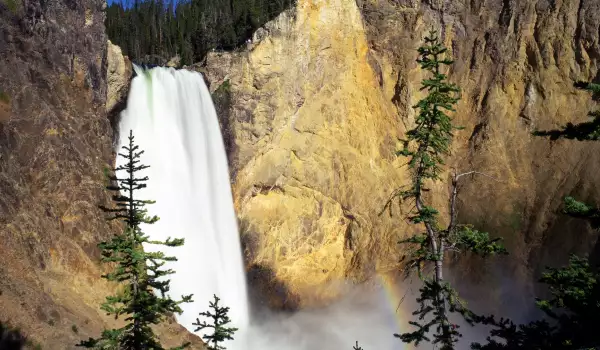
(364, 314)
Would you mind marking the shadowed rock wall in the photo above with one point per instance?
(55, 144)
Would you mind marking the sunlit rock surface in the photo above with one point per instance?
(312, 159)
(318, 102)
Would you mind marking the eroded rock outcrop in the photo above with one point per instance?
(55, 143)
(119, 73)
(319, 100)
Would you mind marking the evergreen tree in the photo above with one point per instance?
(12, 338)
(573, 311)
(143, 299)
(587, 131)
(220, 320)
(151, 31)
(426, 146)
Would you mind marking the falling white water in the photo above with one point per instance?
(174, 122)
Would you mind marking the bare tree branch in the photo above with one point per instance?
(454, 194)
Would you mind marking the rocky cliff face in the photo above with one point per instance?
(516, 62)
(313, 156)
(55, 143)
(118, 76)
(319, 99)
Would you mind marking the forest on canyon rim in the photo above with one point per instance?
(573, 304)
(152, 31)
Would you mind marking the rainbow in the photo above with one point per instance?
(398, 300)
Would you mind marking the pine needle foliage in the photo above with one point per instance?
(572, 312)
(12, 338)
(220, 320)
(152, 31)
(426, 146)
(142, 301)
(586, 131)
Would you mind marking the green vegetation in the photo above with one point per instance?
(426, 146)
(220, 320)
(12, 338)
(573, 312)
(587, 131)
(4, 97)
(150, 31)
(75, 329)
(12, 5)
(138, 271)
(224, 88)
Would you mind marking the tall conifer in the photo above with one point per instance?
(142, 300)
(426, 146)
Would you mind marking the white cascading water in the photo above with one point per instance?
(174, 122)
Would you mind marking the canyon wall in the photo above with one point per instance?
(516, 62)
(55, 146)
(318, 100)
(312, 160)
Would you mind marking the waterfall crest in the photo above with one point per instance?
(174, 122)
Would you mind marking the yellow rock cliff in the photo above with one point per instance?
(321, 96)
(314, 138)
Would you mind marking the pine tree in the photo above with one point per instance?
(12, 338)
(356, 347)
(220, 320)
(426, 146)
(572, 312)
(143, 299)
(150, 30)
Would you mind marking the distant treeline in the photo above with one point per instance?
(151, 30)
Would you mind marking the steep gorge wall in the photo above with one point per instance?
(55, 144)
(319, 99)
(55, 141)
(516, 62)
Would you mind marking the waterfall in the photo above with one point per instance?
(174, 122)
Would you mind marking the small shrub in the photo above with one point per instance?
(3, 95)
(12, 5)
(225, 87)
(75, 329)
